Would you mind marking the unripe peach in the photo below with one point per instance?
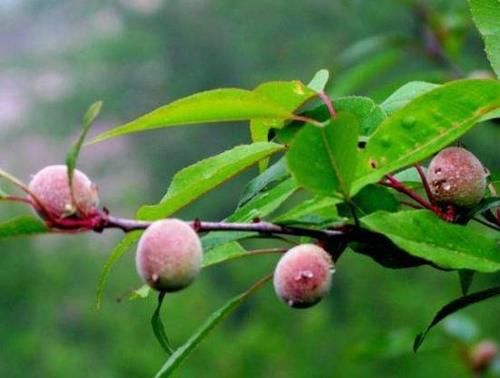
(482, 354)
(169, 255)
(303, 275)
(50, 186)
(456, 177)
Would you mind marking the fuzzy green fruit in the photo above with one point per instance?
(169, 255)
(303, 275)
(51, 188)
(456, 177)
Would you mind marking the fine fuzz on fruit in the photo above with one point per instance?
(456, 177)
(50, 186)
(303, 275)
(169, 255)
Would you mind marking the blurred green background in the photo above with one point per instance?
(57, 57)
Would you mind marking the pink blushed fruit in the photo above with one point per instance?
(169, 255)
(482, 355)
(456, 177)
(303, 276)
(50, 186)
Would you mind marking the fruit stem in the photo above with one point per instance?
(425, 183)
(329, 104)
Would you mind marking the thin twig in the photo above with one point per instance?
(425, 183)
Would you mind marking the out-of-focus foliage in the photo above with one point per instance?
(57, 57)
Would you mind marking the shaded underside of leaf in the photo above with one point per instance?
(449, 246)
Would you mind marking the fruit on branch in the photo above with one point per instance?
(482, 354)
(169, 255)
(303, 275)
(456, 177)
(51, 188)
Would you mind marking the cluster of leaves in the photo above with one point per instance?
(337, 156)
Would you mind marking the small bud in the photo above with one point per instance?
(169, 255)
(456, 177)
(50, 186)
(303, 276)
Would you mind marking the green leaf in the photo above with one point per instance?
(140, 293)
(176, 359)
(72, 155)
(486, 204)
(273, 175)
(314, 211)
(449, 246)
(159, 328)
(424, 126)
(466, 277)
(454, 306)
(367, 112)
(260, 206)
(373, 198)
(223, 253)
(323, 160)
(21, 226)
(405, 94)
(219, 105)
(361, 74)
(203, 176)
(486, 14)
(289, 95)
(115, 255)
(319, 80)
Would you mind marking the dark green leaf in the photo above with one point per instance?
(115, 255)
(217, 105)
(175, 360)
(223, 253)
(21, 226)
(319, 211)
(466, 277)
(159, 328)
(484, 205)
(203, 176)
(273, 175)
(405, 94)
(373, 198)
(449, 246)
(260, 206)
(454, 306)
(323, 160)
(425, 125)
(486, 14)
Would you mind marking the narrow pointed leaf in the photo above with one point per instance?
(176, 359)
(454, 306)
(159, 328)
(323, 160)
(117, 252)
(486, 14)
(450, 246)
(424, 126)
(466, 277)
(219, 105)
(222, 253)
(314, 211)
(203, 176)
(22, 226)
(72, 155)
